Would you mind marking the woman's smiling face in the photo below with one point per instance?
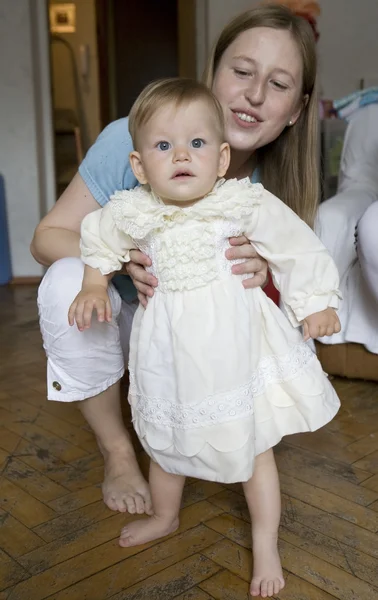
(258, 82)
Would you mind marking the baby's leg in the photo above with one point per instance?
(262, 493)
(166, 492)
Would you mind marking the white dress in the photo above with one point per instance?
(218, 374)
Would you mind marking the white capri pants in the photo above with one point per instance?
(80, 364)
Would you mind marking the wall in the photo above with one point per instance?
(212, 16)
(348, 43)
(63, 82)
(25, 125)
(220, 13)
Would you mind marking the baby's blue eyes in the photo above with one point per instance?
(164, 146)
(197, 143)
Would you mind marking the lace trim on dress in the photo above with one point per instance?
(191, 259)
(138, 212)
(224, 406)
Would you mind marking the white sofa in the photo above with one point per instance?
(354, 351)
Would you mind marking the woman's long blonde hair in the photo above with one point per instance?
(288, 166)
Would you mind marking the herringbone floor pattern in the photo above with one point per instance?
(59, 541)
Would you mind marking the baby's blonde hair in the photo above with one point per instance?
(177, 91)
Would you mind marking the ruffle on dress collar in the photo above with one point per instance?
(140, 211)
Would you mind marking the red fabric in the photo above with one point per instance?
(271, 291)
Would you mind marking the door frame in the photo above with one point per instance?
(40, 43)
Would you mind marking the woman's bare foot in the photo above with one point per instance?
(145, 530)
(124, 488)
(267, 578)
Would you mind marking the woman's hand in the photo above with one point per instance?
(143, 281)
(253, 265)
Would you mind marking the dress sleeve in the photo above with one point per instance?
(104, 246)
(302, 269)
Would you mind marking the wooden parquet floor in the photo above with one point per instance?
(59, 541)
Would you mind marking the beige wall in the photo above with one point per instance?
(348, 45)
(63, 82)
(212, 16)
(26, 157)
(26, 141)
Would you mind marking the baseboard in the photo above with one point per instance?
(25, 281)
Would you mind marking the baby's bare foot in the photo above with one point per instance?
(267, 578)
(124, 488)
(145, 530)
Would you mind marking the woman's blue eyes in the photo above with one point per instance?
(196, 143)
(241, 72)
(277, 84)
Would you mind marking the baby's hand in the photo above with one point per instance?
(91, 297)
(321, 323)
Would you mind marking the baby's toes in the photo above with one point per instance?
(255, 587)
(270, 588)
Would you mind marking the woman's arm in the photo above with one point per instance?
(58, 234)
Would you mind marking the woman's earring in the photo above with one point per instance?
(290, 122)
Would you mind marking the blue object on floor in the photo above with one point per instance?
(5, 261)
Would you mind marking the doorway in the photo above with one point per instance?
(101, 61)
(74, 84)
(140, 41)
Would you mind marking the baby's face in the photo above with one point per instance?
(181, 153)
